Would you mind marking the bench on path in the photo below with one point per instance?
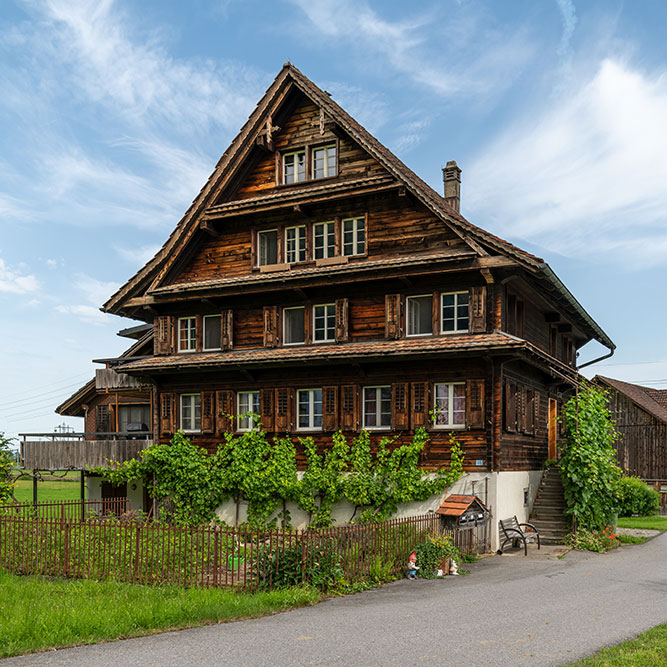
(513, 532)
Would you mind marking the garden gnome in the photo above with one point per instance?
(412, 566)
(453, 567)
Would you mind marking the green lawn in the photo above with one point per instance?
(91, 611)
(647, 522)
(647, 650)
(67, 489)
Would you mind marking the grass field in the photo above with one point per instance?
(647, 650)
(67, 489)
(647, 522)
(91, 611)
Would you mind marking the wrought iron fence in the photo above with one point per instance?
(110, 548)
(67, 510)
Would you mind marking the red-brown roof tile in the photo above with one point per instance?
(642, 396)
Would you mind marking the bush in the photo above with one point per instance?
(637, 498)
(432, 552)
(593, 540)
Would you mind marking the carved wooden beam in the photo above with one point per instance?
(207, 226)
(301, 209)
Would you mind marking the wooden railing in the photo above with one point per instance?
(209, 556)
(65, 451)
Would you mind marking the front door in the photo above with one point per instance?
(553, 427)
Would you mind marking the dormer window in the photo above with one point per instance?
(324, 161)
(294, 167)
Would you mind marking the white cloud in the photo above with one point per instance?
(586, 174)
(14, 281)
(87, 314)
(451, 55)
(569, 16)
(137, 256)
(95, 293)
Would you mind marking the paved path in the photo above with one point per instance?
(511, 611)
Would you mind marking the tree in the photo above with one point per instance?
(7, 462)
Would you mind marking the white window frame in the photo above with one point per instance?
(303, 342)
(355, 236)
(192, 334)
(311, 409)
(378, 408)
(327, 249)
(455, 330)
(326, 330)
(326, 149)
(297, 248)
(259, 246)
(203, 333)
(240, 419)
(193, 402)
(449, 425)
(304, 176)
(407, 315)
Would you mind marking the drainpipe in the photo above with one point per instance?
(594, 361)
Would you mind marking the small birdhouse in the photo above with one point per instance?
(462, 512)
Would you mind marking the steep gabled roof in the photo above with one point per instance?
(644, 397)
(152, 274)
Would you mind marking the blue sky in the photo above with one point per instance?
(112, 115)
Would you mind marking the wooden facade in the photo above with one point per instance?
(319, 282)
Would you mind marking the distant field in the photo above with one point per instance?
(646, 522)
(66, 489)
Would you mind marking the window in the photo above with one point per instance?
(309, 409)
(247, 401)
(268, 247)
(191, 412)
(450, 405)
(354, 236)
(324, 161)
(295, 244)
(294, 167)
(133, 414)
(420, 315)
(454, 312)
(294, 329)
(377, 407)
(324, 234)
(212, 325)
(187, 333)
(324, 318)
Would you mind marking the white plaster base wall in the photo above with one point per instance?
(501, 492)
(93, 488)
(135, 495)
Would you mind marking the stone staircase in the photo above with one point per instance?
(547, 514)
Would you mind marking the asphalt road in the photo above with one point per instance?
(511, 610)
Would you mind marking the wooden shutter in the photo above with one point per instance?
(392, 324)
(399, 406)
(329, 408)
(167, 412)
(349, 413)
(510, 407)
(536, 412)
(529, 419)
(224, 410)
(475, 403)
(270, 326)
(477, 309)
(207, 399)
(342, 330)
(199, 333)
(520, 409)
(284, 409)
(102, 419)
(266, 408)
(253, 249)
(227, 329)
(163, 335)
(419, 404)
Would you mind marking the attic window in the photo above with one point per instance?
(324, 161)
(294, 167)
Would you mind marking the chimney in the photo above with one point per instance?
(451, 175)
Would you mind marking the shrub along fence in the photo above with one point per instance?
(211, 556)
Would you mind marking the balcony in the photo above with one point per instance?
(78, 451)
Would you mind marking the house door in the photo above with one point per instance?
(553, 427)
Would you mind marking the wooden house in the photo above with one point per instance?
(318, 281)
(640, 414)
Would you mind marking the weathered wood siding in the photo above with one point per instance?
(78, 454)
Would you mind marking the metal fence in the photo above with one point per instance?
(210, 556)
(67, 510)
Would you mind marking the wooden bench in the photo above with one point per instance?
(512, 530)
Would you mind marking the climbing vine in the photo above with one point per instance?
(247, 467)
(7, 462)
(588, 459)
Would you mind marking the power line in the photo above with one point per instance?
(25, 393)
(46, 393)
